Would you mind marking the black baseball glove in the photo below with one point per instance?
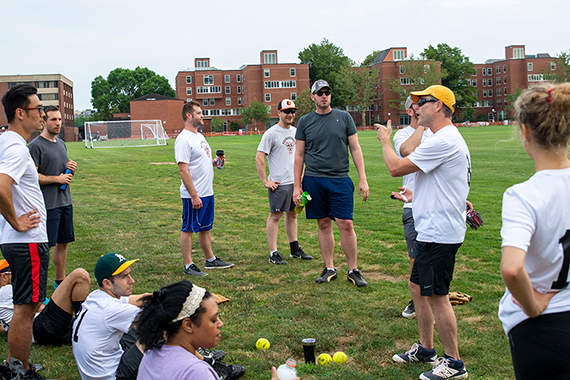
(474, 219)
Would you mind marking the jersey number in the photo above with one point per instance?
(562, 281)
(75, 337)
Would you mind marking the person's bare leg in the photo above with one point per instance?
(20, 332)
(271, 228)
(446, 324)
(205, 240)
(326, 241)
(186, 247)
(348, 241)
(59, 258)
(74, 288)
(424, 315)
(291, 226)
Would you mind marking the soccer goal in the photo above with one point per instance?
(125, 133)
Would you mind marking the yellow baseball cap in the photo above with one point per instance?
(442, 93)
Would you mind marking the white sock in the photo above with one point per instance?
(271, 253)
(211, 259)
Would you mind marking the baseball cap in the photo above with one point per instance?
(4, 266)
(318, 85)
(442, 93)
(111, 264)
(286, 104)
(409, 102)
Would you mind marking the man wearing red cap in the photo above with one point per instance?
(443, 167)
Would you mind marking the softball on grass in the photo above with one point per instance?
(262, 344)
(324, 359)
(339, 357)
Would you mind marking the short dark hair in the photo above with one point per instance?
(17, 97)
(49, 109)
(189, 107)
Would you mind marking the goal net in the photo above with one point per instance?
(127, 133)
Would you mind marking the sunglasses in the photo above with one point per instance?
(320, 93)
(423, 101)
(38, 108)
(288, 111)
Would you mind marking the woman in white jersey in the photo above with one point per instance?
(535, 310)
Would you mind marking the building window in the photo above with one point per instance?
(239, 101)
(188, 90)
(292, 72)
(489, 71)
(228, 101)
(484, 82)
(238, 78)
(266, 73)
(405, 81)
(202, 64)
(267, 97)
(484, 93)
(293, 96)
(490, 93)
(228, 90)
(504, 80)
(212, 101)
(552, 66)
(498, 81)
(402, 69)
(399, 55)
(205, 102)
(498, 70)
(529, 66)
(208, 79)
(426, 69)
(239, 89)
(226, 78)
(269, 58)
(499, 92)
(489, 82)
(188, 80)
(474, 82)
(505, 92)
(518, 53)
(188, 100)
(535, 77)
(504, 68)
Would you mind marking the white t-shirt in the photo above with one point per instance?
(193, 149)
(400, 137)
(16, 162)
(442, 186)
(536, 219)
(279, 145)
(99, 328)
(6, 306)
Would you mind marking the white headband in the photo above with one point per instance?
(191, 304)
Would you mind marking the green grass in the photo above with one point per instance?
(127, 200)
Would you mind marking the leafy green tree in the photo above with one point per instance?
(562, 72)
(234, 126)
(304, 103)
(326, 62)
(370, 58)
(217, 124)
(456, 68)
(115, 93)
(512, 98)
(417, 75)
(361, 85)
(254, 113)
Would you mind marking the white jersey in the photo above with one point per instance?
(442, 186)
(6, 306)
(193, 149)
(536, 219)
(279, 145)
(400, 137)
(96, 334)
(16, 162)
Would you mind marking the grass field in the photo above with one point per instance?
(127, 200)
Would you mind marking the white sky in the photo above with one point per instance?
(83, 39)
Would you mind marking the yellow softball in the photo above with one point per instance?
(324, 359)
(262, 344)
(339, 357)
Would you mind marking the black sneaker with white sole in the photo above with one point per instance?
(299, 254)
(276, 258)
(417, 353)
(410, 311)
(356, 278)
(193, 270)
(327, 275)
(217, 264)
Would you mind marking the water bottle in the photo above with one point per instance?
(219, 161)
(303, 200)
(64, 186)
(287, 371)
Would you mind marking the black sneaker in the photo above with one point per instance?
(6, 372)
(30, 375)
(409, 311)
(300, 254)
(327, 275)
(217, 264)
(446, 368)
(277, 259)
(216, 354)
(18, 367)
(417, 353)
(356, 278)
(225, 371)
(193, 270)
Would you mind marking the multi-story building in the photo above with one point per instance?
(497, 78)
(223, 93)
(53, 90)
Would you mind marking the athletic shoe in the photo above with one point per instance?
(193, 270)
(225, 371)
(417, 353)
(356, 278)
(6, 372)
(327, 275)
(277, 259)
(409, 311)
(300, 254)
(216, 354)
(30, 375)
(217, 264)
(18, 367)
(446, 368)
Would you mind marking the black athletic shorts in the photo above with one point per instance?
(433, 267)
(60, 225)
(540, 347)
(409, 231)
(53, 326)
(29, 265)
(131, 359)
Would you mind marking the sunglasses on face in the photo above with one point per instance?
(38, 108)
(423, 101)
(289, 111)
(320, 93)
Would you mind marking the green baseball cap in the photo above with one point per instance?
(111, 264)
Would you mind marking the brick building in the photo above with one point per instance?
(223, 93)
(53, 90)
(159, 107)
(497, 78)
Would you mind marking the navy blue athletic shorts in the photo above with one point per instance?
(332, 197)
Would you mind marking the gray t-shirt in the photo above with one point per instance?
(51, 159)
(326, 143)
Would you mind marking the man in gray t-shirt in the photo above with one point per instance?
(50, 156)
(323, 139)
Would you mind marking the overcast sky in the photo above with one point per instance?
(83, 39)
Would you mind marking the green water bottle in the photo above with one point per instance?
(303, 200)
